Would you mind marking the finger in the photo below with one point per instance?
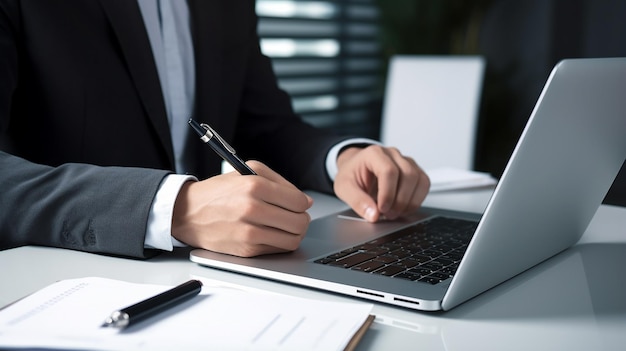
(243, 239)
(407, 198)
(357, 193)
(363, 204)
(422, 189)
(266, 172)
(263, 240)
(272, 216)
(285, 197)
(257, 250)
(282, 193)
(383, 165)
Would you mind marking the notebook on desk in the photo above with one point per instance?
(564, 163)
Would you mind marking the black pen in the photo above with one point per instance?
(219, 145)
(144, 309)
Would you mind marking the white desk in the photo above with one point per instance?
(574, 301)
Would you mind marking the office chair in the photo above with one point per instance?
(430, 108)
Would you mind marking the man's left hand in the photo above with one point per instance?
(380, 182)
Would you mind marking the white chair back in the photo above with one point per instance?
(431, 108)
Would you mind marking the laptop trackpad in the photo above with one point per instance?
(345, 229)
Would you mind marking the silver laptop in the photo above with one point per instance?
(564, 163)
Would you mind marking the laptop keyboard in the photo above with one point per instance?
(429, 251)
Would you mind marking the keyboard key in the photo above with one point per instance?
(419, 271)
(353, 260)
(324, 260)
(377, 251)
(408, 263)
(343, 253)
(431, 253)
(444, 262)
(387, 258)
(448, 271)
(430, 280)
(389, 270)
(368, 266)
(408, 276)
(432, 266)
(392, 246)
(400, 253)
(455, 255)
(420, 258)
(440, 276)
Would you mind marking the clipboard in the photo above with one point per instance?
(356, 338)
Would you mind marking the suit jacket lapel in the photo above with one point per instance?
(127, 23)
(207, 40)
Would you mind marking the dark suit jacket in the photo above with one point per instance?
(79, 86)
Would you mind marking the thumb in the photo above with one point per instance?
(359, 200)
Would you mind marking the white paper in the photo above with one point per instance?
(69, 315)
(442, 179)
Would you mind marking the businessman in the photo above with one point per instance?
(97, 156)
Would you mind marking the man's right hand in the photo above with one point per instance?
(242, 215)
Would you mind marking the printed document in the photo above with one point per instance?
(69, 315)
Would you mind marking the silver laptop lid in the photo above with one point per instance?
(567, 158)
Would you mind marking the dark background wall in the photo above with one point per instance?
(521, 41)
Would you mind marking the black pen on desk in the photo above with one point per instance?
(221, 147)
(146, 308)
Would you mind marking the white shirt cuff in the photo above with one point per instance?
(331, 157)
(159, 229)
